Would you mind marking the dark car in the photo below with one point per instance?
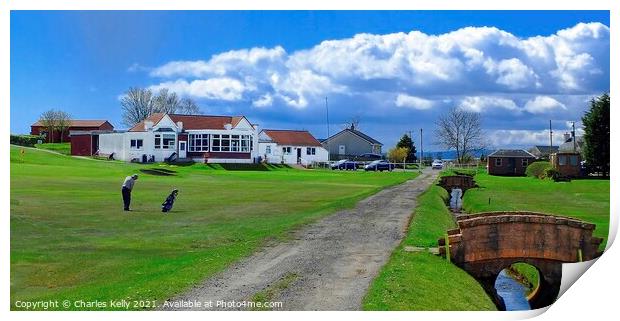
(379, 165)
(344, 164)
(367, 157)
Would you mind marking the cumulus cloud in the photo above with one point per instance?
(404, 100)
(479, 104)
(227, 89)
(543, 104)
(508, 137)
(482, 60)
(482, 69)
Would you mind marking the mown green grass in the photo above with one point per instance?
(71, 240)
(420, 280)
(527, 274)
(585, 199)
(63, 148)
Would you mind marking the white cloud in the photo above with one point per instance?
(482, 103)
(519, 137)
(543, 104)
(263, 101)
(483, 60)
(404, 100)
(215, 88)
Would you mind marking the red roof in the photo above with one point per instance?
(192, 121)
(292, 137)
(80, 123)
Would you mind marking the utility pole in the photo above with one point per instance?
(574, 139)
(327, 116)
(421, 150)
(550, 138)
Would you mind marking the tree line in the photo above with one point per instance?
(136, 105)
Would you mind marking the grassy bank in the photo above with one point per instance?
(63, 148)
(526, 274)
(586, 199)
(420, 280)
(70, 239)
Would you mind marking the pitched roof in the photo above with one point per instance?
(511, 153)
(154, 118)
(192, 121)
(80, 122)
(547, 149)
(292, 137)
(359, 134)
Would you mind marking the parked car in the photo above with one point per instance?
(437, 164)
(344, 164)
(379, 165)
(368, 157)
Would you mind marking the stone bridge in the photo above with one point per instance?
(486, 243)
(464, 182)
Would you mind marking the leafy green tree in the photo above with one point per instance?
(407, 142)
(596, 137)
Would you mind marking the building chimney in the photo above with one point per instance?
(180, 126)
(566, 137)
(148, 125)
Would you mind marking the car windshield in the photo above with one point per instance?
(375, 162)
(342, 161)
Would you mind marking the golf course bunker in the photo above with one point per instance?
(158, 171)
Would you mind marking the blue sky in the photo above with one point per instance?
(395, 71)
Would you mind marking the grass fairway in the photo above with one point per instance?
(71, 240)
(423, 281)
(586, 199)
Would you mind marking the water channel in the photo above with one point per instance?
(512, 291)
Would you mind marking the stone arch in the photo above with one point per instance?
(486, 243)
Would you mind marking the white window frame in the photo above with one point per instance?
(268, 149)
(498, 162)
(310, 150)
(196, 143)
(172, 139)
(286, 150)
(524, 162)
(133, 144)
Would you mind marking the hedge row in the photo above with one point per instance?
(25, 140)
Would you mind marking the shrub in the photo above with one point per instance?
(538, 169)
(24, 140)
(552, 173)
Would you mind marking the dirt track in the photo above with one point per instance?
(328, 265)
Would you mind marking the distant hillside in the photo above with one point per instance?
(451, 154)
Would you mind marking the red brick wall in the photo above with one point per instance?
(230, 155)
(81, 145)
(506, 167)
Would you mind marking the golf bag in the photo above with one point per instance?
(166, 206)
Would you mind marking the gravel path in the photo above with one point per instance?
(328, 265)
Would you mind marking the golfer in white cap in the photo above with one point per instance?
(126, 189)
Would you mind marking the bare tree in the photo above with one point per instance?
(50, 122)
(460, 130)
(137, 105)
(63, 120)
(166, 102)
(140, 103)
(188, 107)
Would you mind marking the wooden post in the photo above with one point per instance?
(447, 247)
(579, 256)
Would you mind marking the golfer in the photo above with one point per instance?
(126, 189)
